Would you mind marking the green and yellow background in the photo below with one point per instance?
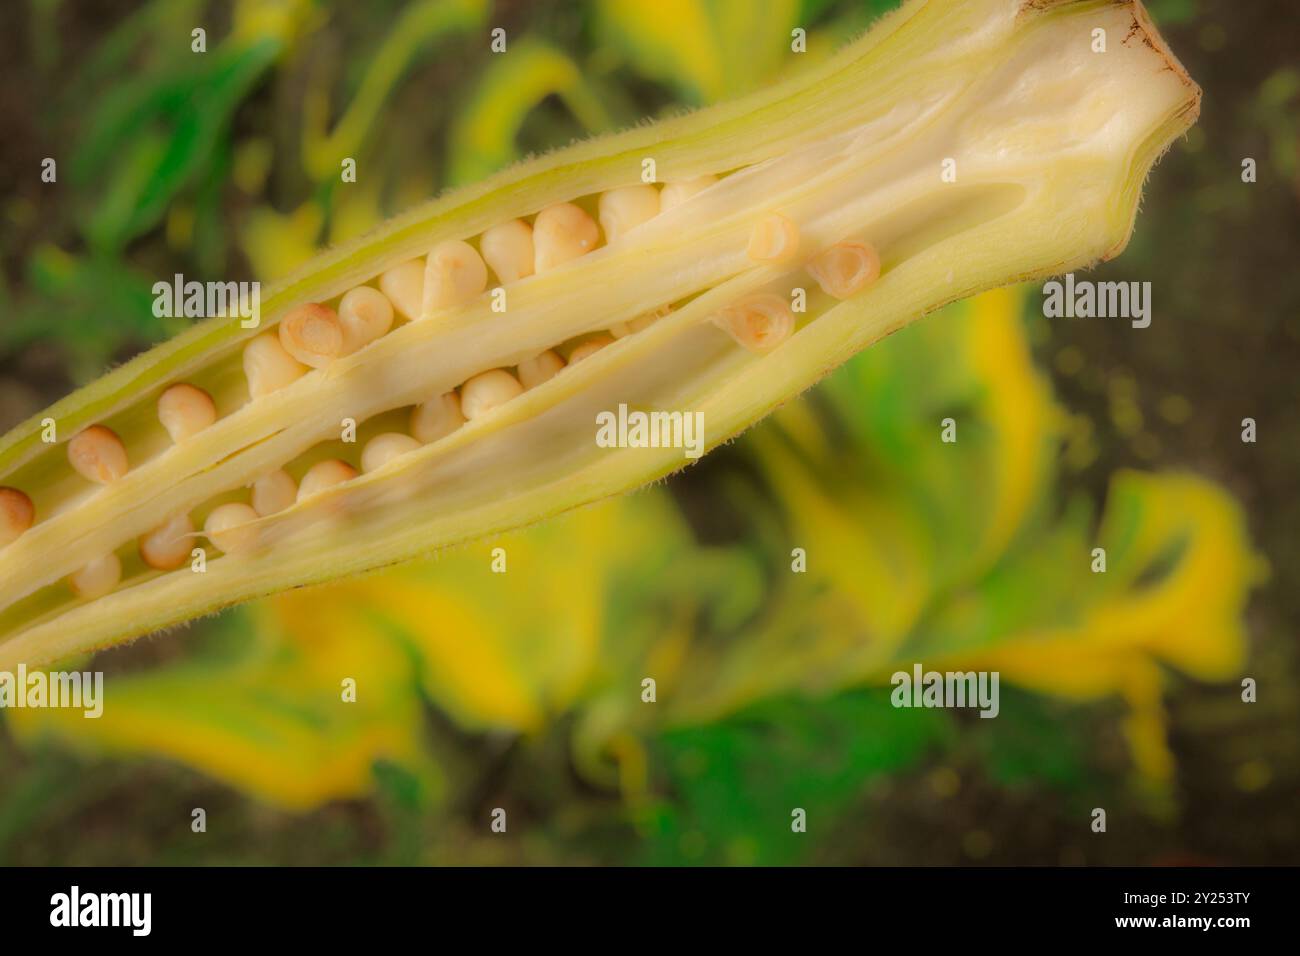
(522, 690)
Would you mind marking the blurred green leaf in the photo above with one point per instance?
(156, 141)
(1167, 12)
(1033, 741)
(419, 24)
(159, 29)
(735, 783)
(94, 306)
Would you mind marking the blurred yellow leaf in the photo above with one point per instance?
(1179, 570)
(278, 243)
(356, 210)
(275, 724)
(705, 49)
(483, 136)
(511, 649)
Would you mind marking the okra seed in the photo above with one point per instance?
(774, 238)
(97, 578)
(98, 454)
(404, 286)
(589, 348)
(759, 322)
(486, 391)
(230, 527)
(274, 492)
(436, 418)
(540, 368)
(268, 367)
(560, 233)
(325, 474)
(845, 268)
(365, 315)
(455, 274)
(312, 334)
(508, 249)
(674, 194)
(382, 449)
(168, 546)
(185, 410)
(622, 210)
(17, 513)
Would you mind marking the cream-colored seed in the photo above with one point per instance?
(268, 367)
(17, 513)
(508, 249)
(274, 492)
(436, 418)
(404, 286)
(560, 233)
(98, 454)
(455, 274)
(589, 348)
(168, 546)
(845, 268)
(484, 392)
(540, 368)
(382, 449)
(97, 578)
(185, 410)
(622, 210)
(365, 315)
(325, 474)
(774, 238)
(641, 322)
(312, 334)
(674, 194)
(759, 322)
(230, 527)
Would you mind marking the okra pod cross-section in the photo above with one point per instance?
(440, 379)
